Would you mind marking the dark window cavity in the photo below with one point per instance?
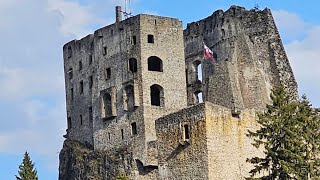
(105, 50)
(186, 132)
(133, 65)
(155, 64)
(223, 32)
(90, 114)
(108, 73)
(80, 65)
(71, 93)
(90, 59)
(122, 135)
(81, 122)
(157, 95)
(134, 128)
(150, 38)
(81, 87)
(69, 123)
(134, 40)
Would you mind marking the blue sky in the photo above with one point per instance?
(32, 33)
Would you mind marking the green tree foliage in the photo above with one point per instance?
(26, 169)
(289, 134)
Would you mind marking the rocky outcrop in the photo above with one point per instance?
(79, 162)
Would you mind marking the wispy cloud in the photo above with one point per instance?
(303, 51)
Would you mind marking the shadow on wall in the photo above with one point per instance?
(144, 170)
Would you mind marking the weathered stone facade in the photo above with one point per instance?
(132, 92)
(250, 59)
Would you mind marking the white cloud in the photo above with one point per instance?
(290, 25)
(75, 18)
(303, 51)
(32, 100)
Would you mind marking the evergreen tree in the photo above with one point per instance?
(26, 169)
(289, 134)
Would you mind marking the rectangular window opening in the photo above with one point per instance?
(134, 128)
(90, 59)
(105, 50)
(236, 115)
(186, 132)
(134, 40)
(109, 136)
(122, 136)
(81, 122)
(80, 65)
(108, 73)
(81, 87)
(69, 123)
(90, 114)
(71, 93)
(150, 38)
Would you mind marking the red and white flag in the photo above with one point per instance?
(207, 52)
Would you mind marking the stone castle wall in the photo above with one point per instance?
(249, 58)
(217, 146)
(112, 109)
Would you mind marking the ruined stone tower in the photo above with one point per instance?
(134, 92)
(120, 79)
(249, 59)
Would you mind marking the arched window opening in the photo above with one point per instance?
(157, 95)
(133, 67)
(155, 64)
(186, 132)
(134, 128)
(198, 70)
(198, 97)
(129, 98)
(106, 105)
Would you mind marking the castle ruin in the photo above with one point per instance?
(143, 101)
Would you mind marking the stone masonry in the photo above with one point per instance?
(134, 93)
